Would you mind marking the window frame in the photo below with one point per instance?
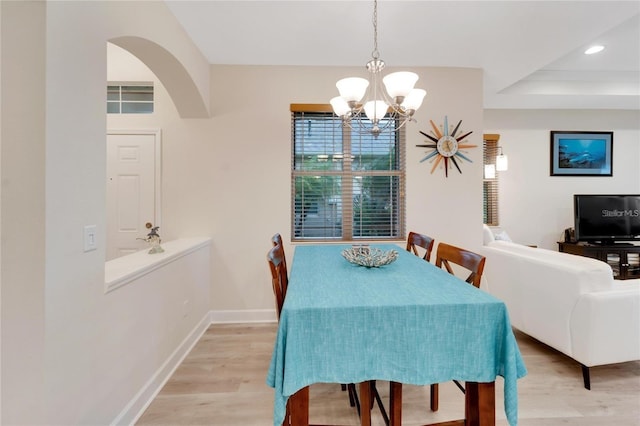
(347, 175)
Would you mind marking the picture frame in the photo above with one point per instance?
(581, 153)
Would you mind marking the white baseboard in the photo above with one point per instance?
(136, 407)
(245, 316)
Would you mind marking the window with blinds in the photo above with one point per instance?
(490, 183)
(130, 99)
(346, 184)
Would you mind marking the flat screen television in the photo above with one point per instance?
(606, 219)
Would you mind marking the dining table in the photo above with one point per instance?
(407, 322)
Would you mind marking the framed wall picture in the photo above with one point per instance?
(575, 153)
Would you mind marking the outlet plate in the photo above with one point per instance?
(90, 242)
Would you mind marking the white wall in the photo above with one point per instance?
(535, 207)
(23, 208)
(72, 354)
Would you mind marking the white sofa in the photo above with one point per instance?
(571, 303)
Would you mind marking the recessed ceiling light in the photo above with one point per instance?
(593, 49)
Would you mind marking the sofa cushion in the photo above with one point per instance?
(502, 236)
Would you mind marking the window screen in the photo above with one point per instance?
(346, 184)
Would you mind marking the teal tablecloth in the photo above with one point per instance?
(408, 322)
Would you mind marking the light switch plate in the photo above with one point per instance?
(90, 242)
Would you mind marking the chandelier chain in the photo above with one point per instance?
(375, 53)
(367, 103)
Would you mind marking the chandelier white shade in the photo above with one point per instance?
(360, 97)
(352, 89)
(340, 106)
(375, 110)
(400, 84)
(414, 99)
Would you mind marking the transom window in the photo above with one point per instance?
(130, 98)
(346, 184)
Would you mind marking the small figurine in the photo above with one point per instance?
(153, 238)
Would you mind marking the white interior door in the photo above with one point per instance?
(133, 196)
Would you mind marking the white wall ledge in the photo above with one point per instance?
(123, 270)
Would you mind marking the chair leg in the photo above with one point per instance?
(366, 402)
(395, 404)
(372, 391)
(459, 386)
(344, 387)
(376, 397)
(434, 397)
(353, 397)
(586, 377)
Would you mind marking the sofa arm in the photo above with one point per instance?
(541, 288)
(605, 326)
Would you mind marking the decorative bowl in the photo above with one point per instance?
(369, 257)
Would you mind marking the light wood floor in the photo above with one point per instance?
(223, 382)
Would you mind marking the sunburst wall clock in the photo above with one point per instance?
(446, 146)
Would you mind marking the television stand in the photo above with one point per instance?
(624, 258)
(611, 244)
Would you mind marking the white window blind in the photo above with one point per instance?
(346, 184)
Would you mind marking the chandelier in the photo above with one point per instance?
(362, 99)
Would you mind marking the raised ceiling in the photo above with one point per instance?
(531, 51)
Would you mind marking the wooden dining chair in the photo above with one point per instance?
(279, 277)
(279, 283)
(473, 262)
(419, 242)
(447, 255)
(277, 241)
